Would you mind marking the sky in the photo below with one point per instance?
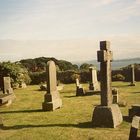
(68, 29)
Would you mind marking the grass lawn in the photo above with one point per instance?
(25, 120)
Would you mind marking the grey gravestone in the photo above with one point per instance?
(7, 85)
(135, 110)
(94, 84)
(52, 98)
(134, 128)
(106, 114)
(132, 76)
(115, 94)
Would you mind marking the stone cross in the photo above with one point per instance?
(105, 56)
(94, 85)
(132, 75)
(134, 128)
(52, 97)
(107, 114)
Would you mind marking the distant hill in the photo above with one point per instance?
(116, 64)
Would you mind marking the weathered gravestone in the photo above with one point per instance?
(94, 84)
(7, 97)
(132, 76)
(79, 88)
(106, 114)
(115, 94)
(7, 85)
(134, 128)
(52, 98)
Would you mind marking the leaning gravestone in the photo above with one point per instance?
(106, 114)
(132, 76)
(79, 88)
(7, 85)
(94, 84)
(134, 128)
(52, 98)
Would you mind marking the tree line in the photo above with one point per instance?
(33, 71)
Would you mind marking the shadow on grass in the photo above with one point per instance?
(127, 119)
(117, 86)
(80, 125)
(22, 111)
(135, 92)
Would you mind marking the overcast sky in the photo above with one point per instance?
(68, 29)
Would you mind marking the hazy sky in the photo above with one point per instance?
(68, 29)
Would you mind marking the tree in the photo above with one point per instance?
(16, 71)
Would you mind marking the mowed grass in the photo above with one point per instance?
(25, 120)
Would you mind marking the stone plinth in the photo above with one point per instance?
(107, 116)
(52, 101)
(52, 98)
(135, 110)
(80, 91)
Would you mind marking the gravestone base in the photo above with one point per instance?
(80, 91)
(135, 110)
(52, 101)
(132, 84)
(107, 116)
(94, 87)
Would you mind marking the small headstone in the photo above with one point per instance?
(115, 94)
(22, 85)
(135, 110)
(134, 128)
(132, 76)
(79, 89)
(52, 98)
(94, 84)
(106, 114)
(7, 85)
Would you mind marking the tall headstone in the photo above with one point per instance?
(106, 114)
(7, 85)
(52, 98)
(94, 84)
(134, 128)
(132, 76)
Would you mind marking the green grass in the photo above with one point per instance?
(25, 120)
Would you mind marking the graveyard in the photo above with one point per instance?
(24, 118)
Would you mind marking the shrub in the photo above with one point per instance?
(118, 77)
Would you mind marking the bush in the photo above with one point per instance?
(118, 77)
